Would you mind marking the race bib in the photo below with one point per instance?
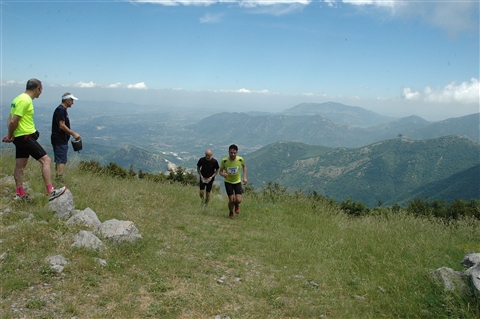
(232, 170)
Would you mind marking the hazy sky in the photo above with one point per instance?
(393, 57)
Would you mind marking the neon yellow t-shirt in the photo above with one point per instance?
(22, 106)
(233, 169)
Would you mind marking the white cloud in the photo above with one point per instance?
(278, 9)
(114, 85)
(89, 85)
(256, 3)
(241, 3)
(140, 86)
(377, 3)
(179, 2)
(407, 94)
(465, 92)
(453, 16)
(13, 82)
(86, 84)
(211, 18)
(244, 90)
(118, 85)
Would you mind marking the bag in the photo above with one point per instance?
(77, 145)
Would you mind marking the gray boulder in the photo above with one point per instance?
(57, 262)
(119, 231)
(470, 260)
(85, 217)
(63, 205)
(450, 279)
(86, 239)
(461, 281)
(474, 274)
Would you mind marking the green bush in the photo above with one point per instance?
(273, 192)
(355, 208)
(183, 176)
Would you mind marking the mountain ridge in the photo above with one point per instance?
(340, 113)
(385, 171)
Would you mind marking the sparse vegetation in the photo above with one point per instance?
(287, 255)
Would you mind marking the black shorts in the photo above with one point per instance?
(27, 145)
(233, 188)
(208, 186)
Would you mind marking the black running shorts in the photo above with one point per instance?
(27, 145)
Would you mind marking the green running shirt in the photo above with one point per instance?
(22, 106)
(233, 169)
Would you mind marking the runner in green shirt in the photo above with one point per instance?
(230, 170)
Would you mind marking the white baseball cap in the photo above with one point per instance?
(69, 96)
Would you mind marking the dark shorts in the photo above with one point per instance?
(208, 186)
(233, 188)
(60, 152)
(27, 145)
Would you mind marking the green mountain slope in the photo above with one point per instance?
(270, 162)
(467, 181)
(140, 159)
(386, 171)
(467, 126)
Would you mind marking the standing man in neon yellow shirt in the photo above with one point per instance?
(230, 170)
(22, 132)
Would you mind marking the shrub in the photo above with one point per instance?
(273, 192)
(90, 166)
(355, 208)
(182, 176)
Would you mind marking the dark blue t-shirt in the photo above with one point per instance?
(60, 137)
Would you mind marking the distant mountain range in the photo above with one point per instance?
(337, 150)
(257, 131)
(392, 171)
(340, 113)
(159, 129)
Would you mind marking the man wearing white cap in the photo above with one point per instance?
(61, 133)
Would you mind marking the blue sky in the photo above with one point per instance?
(393, 57)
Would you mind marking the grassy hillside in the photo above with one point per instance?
(282, 257)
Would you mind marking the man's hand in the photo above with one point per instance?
(8, 139)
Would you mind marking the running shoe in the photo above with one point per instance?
(237, 209)
(231, 215)
(56, 192)
(24, 197)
